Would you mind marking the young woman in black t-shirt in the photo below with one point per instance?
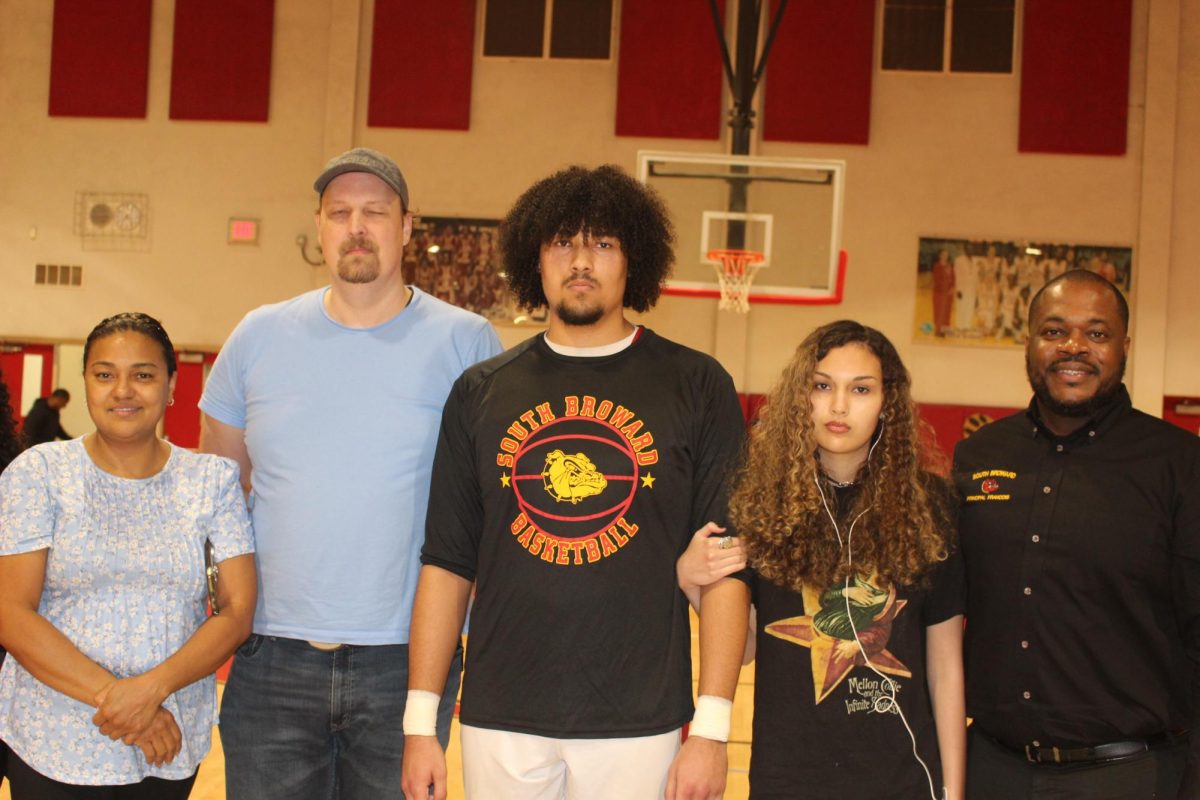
(856, 586)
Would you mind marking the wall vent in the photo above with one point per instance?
(113, 220)
(58, 275)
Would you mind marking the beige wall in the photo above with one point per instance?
(942, 160)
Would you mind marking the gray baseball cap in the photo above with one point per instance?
(364, 159)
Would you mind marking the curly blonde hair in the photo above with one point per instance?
(777, 506)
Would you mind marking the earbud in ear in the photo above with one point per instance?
(882, 415)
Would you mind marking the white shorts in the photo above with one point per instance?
(521, 766)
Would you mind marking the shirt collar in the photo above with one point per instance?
(1104, 418)
(594, 352)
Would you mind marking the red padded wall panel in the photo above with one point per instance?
(422, 54)
(100, 58)
(669, 71)
(1075, 76)
(818, 78)
(221, 61)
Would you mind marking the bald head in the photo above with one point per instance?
(1080, 276)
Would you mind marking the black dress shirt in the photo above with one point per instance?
(1082, 557)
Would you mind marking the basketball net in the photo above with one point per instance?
(735, 273)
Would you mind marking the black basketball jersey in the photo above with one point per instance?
(567, 487)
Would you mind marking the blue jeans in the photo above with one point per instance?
(299, 723)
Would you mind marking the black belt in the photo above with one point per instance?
(1112, 751)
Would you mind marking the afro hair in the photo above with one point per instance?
(604, 201)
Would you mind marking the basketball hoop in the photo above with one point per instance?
(735, 272)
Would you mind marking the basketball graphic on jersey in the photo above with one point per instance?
(575, 476)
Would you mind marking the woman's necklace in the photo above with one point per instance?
(839, 484)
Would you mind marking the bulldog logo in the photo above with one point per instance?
(571, 478)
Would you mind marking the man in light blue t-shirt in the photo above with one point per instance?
(331, 402)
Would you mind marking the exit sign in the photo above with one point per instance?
(243, 231)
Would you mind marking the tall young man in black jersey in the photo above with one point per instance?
(1080, 532)
(569, 476)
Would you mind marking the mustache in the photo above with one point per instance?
(588, 279)
(1077, 361)
(356, 242)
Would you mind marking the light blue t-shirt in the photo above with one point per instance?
(341, 425)
(125, 583)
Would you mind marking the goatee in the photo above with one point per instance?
(1082, 408)
(578, 316)
(359, 267)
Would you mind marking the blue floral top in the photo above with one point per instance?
(125, 583)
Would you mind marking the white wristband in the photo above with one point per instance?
(712, 718)
(420, 713)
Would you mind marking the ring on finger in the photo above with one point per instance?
(726, 543)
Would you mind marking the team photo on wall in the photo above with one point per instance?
(977, 291)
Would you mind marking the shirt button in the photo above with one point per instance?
(1026, 695)
(1045, 490)
(1058, 447)
(1028, 591)
(1091, 433)
(1024, 645)
(1035, 538)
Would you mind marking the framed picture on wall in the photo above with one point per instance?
(977, 291)
(457, 259)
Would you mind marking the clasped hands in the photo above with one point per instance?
(130, 709)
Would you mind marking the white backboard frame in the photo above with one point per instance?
(763, 292)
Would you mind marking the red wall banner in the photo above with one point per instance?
(818, 77)
(1075, 76)
(422, 54)
(221, 62)
(669, 70)
(100, 58)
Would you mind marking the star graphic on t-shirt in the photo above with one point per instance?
(648, 481)
(833, 657)
(504, 479)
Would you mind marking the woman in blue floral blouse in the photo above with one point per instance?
(103, 593)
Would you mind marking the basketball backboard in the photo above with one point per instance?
(787, 209)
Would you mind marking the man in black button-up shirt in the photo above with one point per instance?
(1080, 531)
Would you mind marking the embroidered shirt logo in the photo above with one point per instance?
(992, 485)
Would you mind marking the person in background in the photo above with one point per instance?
(103, 593)
(42, 422)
